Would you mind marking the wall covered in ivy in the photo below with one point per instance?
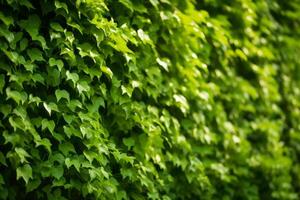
(150, 99)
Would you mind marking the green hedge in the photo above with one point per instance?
(150, 99)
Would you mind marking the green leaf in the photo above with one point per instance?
(62, 5)
(72, 76)
(155, 3)
(128, 4)
(42, 41)
(96, 103)
(75, 25)
(24, 172)
(53, 77)
(71, 131)
(9, 36)
(38, 78)
(35, 54)
(5, 109)
(13, 56)
(163, 63)
(62, 94)
(58, 63)
(26, 3)
(83, 86)
(17, 37)
(36, 100)
(90, 155)
(73, 162)
(2, 82)
(33, 184)
(57, 171)
(49, 124)
(2, 159)
(22, 154)
(29, 66)
(66, 148)
(12, 138)
(44, 142)
(1, 182)
(144, 37)
(56, 26)
(8, 20)
(129, 142)
(31, 25)
(23, 44)
(21, 112)
(16, 96)
(74, 103)
(127, 173)
(127, 90)
(107, 71)
(50, 107)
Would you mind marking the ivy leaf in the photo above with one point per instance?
(8, 20)
(155, 3)
(53, 78)
(35, 54)
(31, 25)
(2, 159)
(26, 3)
(5, 109)
(42, 41)
(144, 37)
(127, 173)
(33, 184)
(9, 36)
(44, 142)
(20, 111)
(12, 138)
(62, 5)
(58, 63)
(83, 86)
(73, 104)
(62, 94)
(49, 124)
(57, 171)
(66, 147)
(163, 64)
(36, 100)
(2, 82)
(71, 131)
(22, 154)
(128, 4)
(24, 172)
(72, 76)
(50, 107)
(56, 26)
(182, 102)
(107, 71)
(23, 44)
(90, 155)
(127, 90)
(73, 162)
(38, 78)
(16, 96)
(129, 142)
(96, 103)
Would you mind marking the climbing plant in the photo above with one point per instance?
(149, 99)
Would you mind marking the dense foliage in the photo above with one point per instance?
(150, 99)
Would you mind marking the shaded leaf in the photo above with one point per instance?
(24, 172)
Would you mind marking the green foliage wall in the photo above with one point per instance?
(149, 99)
